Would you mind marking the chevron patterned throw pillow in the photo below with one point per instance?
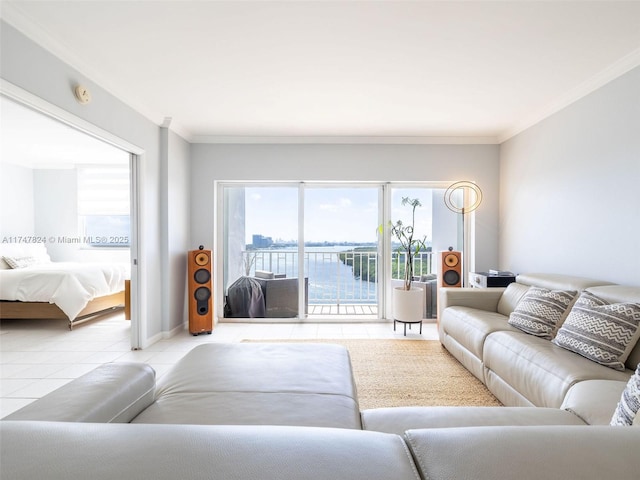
(601, 331)
(626, 413)
(541, 311)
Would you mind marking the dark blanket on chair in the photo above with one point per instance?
(245, 299)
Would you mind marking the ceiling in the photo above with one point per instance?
(419, 71)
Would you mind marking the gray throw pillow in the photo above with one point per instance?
(626, 413)
(601, 331)
(541, 311)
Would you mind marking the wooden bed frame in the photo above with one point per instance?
(43, 310)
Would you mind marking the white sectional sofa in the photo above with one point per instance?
(290, 411)
(522, 369)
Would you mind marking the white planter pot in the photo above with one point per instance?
(407, 304)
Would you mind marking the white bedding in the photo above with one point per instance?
(71, 286)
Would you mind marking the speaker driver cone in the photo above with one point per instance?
(201, 276)
(451, 277)
(202, 293)
(451, 260)
(202, 259)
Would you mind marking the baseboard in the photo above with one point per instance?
(175, 331)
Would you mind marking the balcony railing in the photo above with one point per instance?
(337, 278)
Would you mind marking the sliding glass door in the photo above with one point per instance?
(261, 256)
(341, 250)
(316, 251)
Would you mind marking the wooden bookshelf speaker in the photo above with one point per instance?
(199, 264)
(450, 274)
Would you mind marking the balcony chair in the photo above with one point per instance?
(281, 294)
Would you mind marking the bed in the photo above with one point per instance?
(32, 286)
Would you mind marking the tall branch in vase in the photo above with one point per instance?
(409, 245)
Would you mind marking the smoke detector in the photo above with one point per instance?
(82, 94)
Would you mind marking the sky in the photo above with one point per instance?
(331, 214)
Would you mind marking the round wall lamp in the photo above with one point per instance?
(471, 197)
(463, 197)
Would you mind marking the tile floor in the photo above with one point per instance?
(38, 356)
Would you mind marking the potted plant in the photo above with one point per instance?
(408, 300)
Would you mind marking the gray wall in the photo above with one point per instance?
(32, 68)
(377, 163)
(570, 189)
(176, 222)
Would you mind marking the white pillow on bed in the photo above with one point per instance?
(18, 251)
(20, 262)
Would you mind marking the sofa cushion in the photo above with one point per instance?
(600, 331)
(539, 370)
(470, 326)
(542, 310)
(256, 408)
(400, 419)
(63, 451)
(485, 299)
(304, 384)
(526, 453)
(627, 411)
(594, 401)
(264, 274)
(113, 392)
(555, 281)
(511, 297)
(616, 293)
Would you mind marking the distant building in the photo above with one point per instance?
(260, 241)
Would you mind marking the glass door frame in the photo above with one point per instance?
(387, 248)
(384, 249)
(380, 291)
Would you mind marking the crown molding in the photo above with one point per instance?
(344, 140)
(613, 71)
(13, 16)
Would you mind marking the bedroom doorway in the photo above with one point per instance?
(73, 194)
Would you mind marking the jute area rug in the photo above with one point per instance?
(395, 373)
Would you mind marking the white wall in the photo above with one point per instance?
(56, 219)
(377, 163)
(570, 189)
(56, 210)
(16, 202)
(30, 67)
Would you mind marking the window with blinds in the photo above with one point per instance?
(104, 205)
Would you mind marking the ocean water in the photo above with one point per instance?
(330, 280)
